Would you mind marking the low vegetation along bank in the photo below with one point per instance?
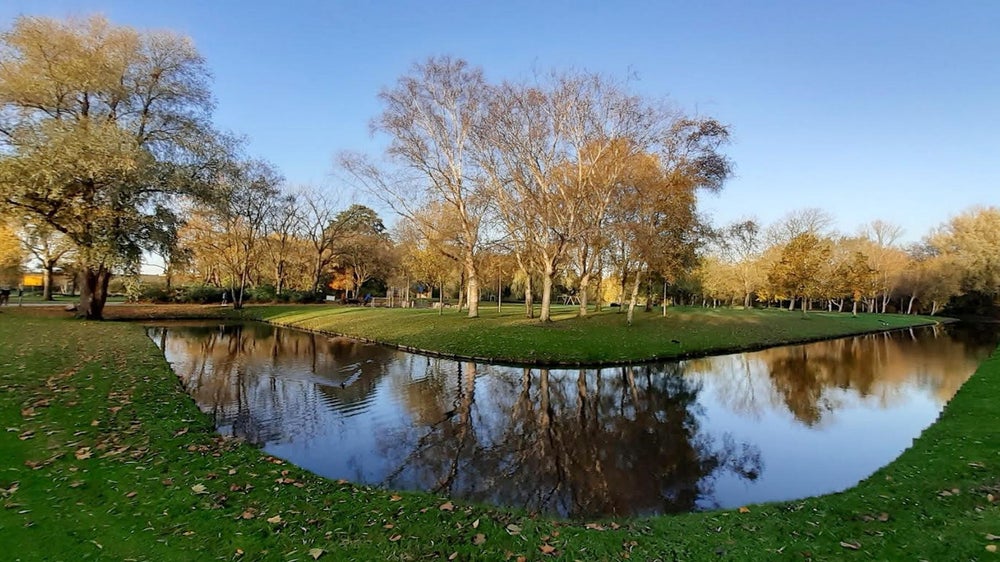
(508, 336)
(105, 456)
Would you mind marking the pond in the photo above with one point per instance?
(723, 431)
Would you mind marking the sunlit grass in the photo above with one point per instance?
(508, 336)
(105, 457)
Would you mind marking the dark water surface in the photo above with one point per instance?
(722, 431)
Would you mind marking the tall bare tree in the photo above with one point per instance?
(429, 116)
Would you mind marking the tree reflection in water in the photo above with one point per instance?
(580, 442)
(612, 441)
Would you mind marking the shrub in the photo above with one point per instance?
(202, 294)
(156, 294)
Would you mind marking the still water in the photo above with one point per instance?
(721, 431)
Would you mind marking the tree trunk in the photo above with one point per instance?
(472, 286)
(854, 309)
(649, 297)
(529, 303)
(584, 283)
(746, 300)
(664, 303)
(461, 291)
(47, 266)
(529, 298)
(934, 307)
(805, 304)
(634, 298)
(93, 292)
(621, 291)
(791, 305)
(600, 284)
(546, 314)
(909, 307)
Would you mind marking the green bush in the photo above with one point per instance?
(155, 293)
(202, 294)
(263, 293)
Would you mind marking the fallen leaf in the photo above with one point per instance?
(475, 524)
(341, 481)
(232, 471)
(547, 549)
(991, 548)
(447, 506)
(991, 537)
(248, 514)
(395, 498)
(199, 489)
(594, 526)
(83, 453)
(239, 552)
(95, 423)
(167, 482)
(513, 529)
(316, 553)
(615, 526)
(883, 517)
(131, 494)
(479, 539)
(395, 538)
(274, 520)
(453, 556)
(851, 545)
(744, 509)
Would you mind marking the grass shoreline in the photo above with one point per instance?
(105, 456)
(593, 341)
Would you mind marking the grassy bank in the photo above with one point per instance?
(104, 456)
(599, 338)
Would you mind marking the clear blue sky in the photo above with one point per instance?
(867, 109)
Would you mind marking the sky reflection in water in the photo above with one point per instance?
(722, 431)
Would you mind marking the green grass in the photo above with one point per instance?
(33, 297)
(597, 338)
(104, 456)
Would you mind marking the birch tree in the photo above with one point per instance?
(429, 116)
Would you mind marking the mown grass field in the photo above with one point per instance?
(598, 338)
(103, 456)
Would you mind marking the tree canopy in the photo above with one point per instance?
(99, 125)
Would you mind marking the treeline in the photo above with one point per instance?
(568, 171)
(800, 261)
(565, 187)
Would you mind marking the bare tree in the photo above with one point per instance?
(429, 116)
(317, 216)
(49, 247)
(795, 223)
(251, 190)
(284, 224)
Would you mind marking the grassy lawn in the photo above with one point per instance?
(104, 456)
(598, 338)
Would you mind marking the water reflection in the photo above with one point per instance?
(719, 431)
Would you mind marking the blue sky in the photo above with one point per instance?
(870, 110)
